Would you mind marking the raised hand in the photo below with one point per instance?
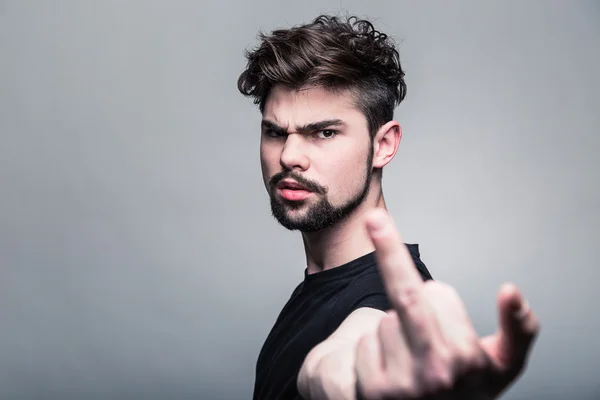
(426, 346)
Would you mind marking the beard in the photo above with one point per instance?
(320, 215)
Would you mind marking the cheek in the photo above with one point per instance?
(347, 177)
(269, 161)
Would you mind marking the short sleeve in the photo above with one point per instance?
(369, 291)
(421, 267)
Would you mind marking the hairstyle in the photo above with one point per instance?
(334, 54)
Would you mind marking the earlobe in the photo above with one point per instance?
(386, 143)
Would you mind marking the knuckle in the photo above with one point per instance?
(423, 347)
(368, 341)
(436, 374)
(472, 361)
(407, 297)
(389, 325)
(482, 363)
(372, 388)
(469, 353)
(467, 356)
(442, 382)
(480, 360)
(401, 387)
(469, 360)
(405, 387)
(438, 379)
(443, 359)
(362, 342)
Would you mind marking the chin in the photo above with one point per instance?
(295, 216)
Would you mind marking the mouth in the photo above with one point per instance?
(291, 190)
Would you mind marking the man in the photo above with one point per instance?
(367, 321)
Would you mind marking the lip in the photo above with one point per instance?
(293, 194)
(292, 190)
(293, 185)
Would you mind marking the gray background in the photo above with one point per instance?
(138, 256)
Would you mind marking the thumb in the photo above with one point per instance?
(510, 346)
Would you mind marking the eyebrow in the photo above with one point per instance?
(310, 127)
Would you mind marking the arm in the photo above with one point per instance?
(425, 346)
(329, 367)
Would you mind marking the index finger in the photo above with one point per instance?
(402, 281)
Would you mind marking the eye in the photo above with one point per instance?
(326, 134)
(273, 133)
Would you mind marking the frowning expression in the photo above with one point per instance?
(316, 156)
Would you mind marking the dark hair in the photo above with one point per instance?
(334, 54)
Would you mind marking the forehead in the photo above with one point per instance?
(291, 107)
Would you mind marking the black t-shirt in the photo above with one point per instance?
(315, 309)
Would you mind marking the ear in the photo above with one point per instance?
(385, 143)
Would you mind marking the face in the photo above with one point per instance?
(316, 157)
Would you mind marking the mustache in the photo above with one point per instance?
(310, 185)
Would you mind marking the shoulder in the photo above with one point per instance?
(414, 251)
(368, 289)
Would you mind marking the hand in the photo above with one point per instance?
(426, 346)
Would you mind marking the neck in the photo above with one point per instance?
(343, 242)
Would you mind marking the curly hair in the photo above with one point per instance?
(332, 53)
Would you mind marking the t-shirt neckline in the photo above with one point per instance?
(347, 269)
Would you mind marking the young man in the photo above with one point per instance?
(367, 321)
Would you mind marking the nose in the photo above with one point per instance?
(293, 155)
